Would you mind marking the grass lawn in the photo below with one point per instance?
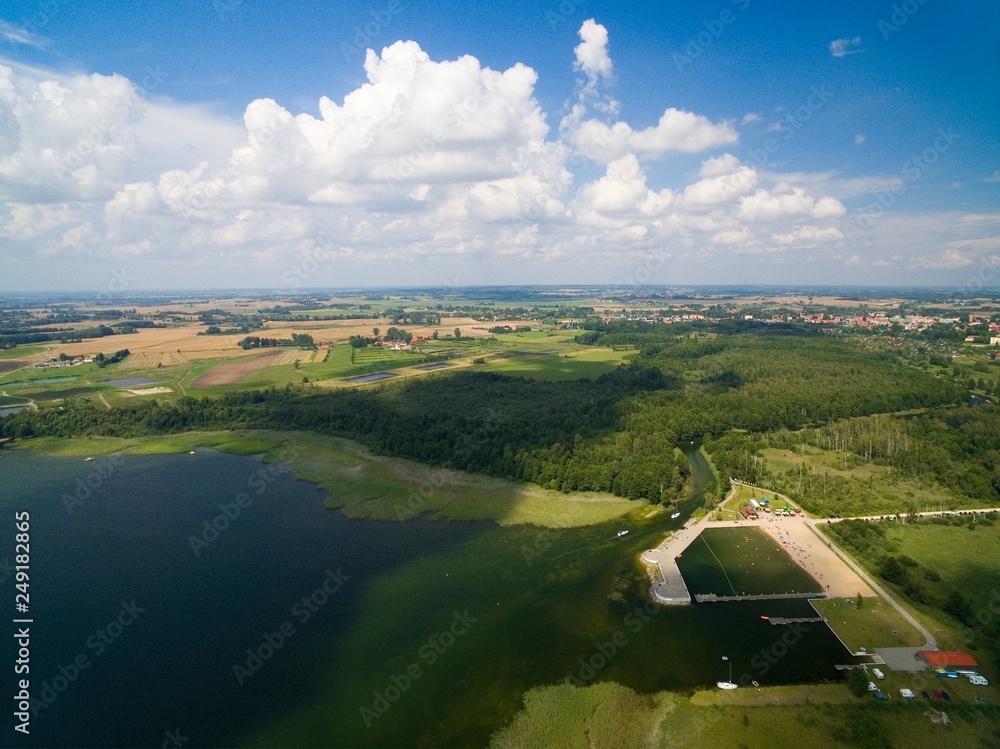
(875, 625)
(363, 485)
(62, 390)
(18, 351)
(580, 364)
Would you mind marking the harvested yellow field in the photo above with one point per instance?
(150, 347)
(292, 356)
(151, 359)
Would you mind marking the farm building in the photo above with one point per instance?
(948, 659)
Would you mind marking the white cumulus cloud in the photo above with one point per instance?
(592, 53)
(676, 131)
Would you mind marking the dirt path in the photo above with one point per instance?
(655, 733)
(32, 406)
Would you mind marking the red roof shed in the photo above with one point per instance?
(948, 659)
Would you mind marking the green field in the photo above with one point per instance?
(945, 572)
(582, 363)
(967, 560)
(380, 356)
(741, 561)
(18, 351)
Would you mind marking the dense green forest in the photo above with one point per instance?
(615, 433)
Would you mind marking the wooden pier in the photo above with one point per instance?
(712, 598)
(778, 620)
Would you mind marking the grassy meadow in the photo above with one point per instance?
(818, 716)
(841, 484)
(965, 558)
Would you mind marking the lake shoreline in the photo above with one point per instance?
(378, 487)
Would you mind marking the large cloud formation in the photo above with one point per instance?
(426, 159)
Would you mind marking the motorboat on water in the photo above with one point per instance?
(622, 533)
(674, 515)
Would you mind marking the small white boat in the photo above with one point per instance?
(726, 685)
(622, 533)
(675, 515)
(85, 460)
(191, 453)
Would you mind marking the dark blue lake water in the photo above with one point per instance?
(171, 669)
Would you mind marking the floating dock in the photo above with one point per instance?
(712, 598)
(779, 620)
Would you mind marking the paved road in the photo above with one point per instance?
(904, 515)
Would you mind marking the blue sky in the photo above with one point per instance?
(184, 144)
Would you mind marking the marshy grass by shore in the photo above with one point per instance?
(817, 716)
(363, 485)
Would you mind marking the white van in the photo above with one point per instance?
(878, 674)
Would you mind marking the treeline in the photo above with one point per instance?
(102, 361)
(562, 436)
(301, 340)
(502, 329)
(52, 334)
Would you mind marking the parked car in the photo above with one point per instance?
(947, 698)
(937, 695)
(925, 695)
